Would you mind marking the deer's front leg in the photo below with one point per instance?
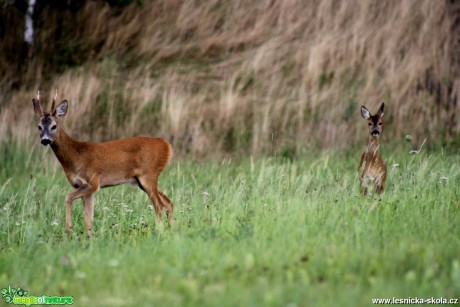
(89, 213)
(68, 217)
(86, 190)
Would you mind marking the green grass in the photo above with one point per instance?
(267, 232)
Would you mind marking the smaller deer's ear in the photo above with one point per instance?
(37, 107)
(380, 112)
(365, 112)
(61, 109)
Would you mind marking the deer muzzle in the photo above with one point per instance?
(46, 142)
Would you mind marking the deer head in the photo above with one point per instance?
(374, 121)
(48, 126)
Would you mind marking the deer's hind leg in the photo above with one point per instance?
(380, 186)
(167, 204)
(149, 184)
(364, 190)
(380, 182)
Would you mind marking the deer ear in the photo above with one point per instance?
(61, 109)
(53, 104)
(37, 107)
(365, 112)
(380, 113)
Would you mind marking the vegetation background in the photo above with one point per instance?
(261, 101)
(248, 77)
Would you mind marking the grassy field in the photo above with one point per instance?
(236, 78)
(264, 232)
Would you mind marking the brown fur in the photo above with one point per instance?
(90, 166)
(372, 168)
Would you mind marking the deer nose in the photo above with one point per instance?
(375, 132)
(46, 142)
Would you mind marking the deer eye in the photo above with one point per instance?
(40, 128)
(380, 124)
(53, 127)
(370, 124)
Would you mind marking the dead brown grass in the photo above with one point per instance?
(255, 76)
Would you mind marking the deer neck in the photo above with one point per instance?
(373, 146)
(65, 149)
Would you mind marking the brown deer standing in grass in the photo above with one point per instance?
(90, 166)
(372, 170)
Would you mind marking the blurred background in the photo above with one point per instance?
(233, 77)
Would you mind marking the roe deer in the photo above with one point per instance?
(372, 170)
(90, 166)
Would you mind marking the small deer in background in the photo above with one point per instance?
(372, 170)
(90, 166)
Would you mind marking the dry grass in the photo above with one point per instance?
(254, 76)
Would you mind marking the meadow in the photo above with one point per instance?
(247, 232)
(260, 100)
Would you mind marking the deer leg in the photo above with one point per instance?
(69, 201)
(89, 213)
(150, 186)
(364, 190)
(379, 184)
(384, 178)
(83, 191)
(363, 186)
(166, 202)
(68, 218)
(379, 187)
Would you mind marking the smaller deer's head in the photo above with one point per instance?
(48, 126)
(374, 121)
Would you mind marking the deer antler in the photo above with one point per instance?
(54, 102)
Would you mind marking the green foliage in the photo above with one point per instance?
(264, 232)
